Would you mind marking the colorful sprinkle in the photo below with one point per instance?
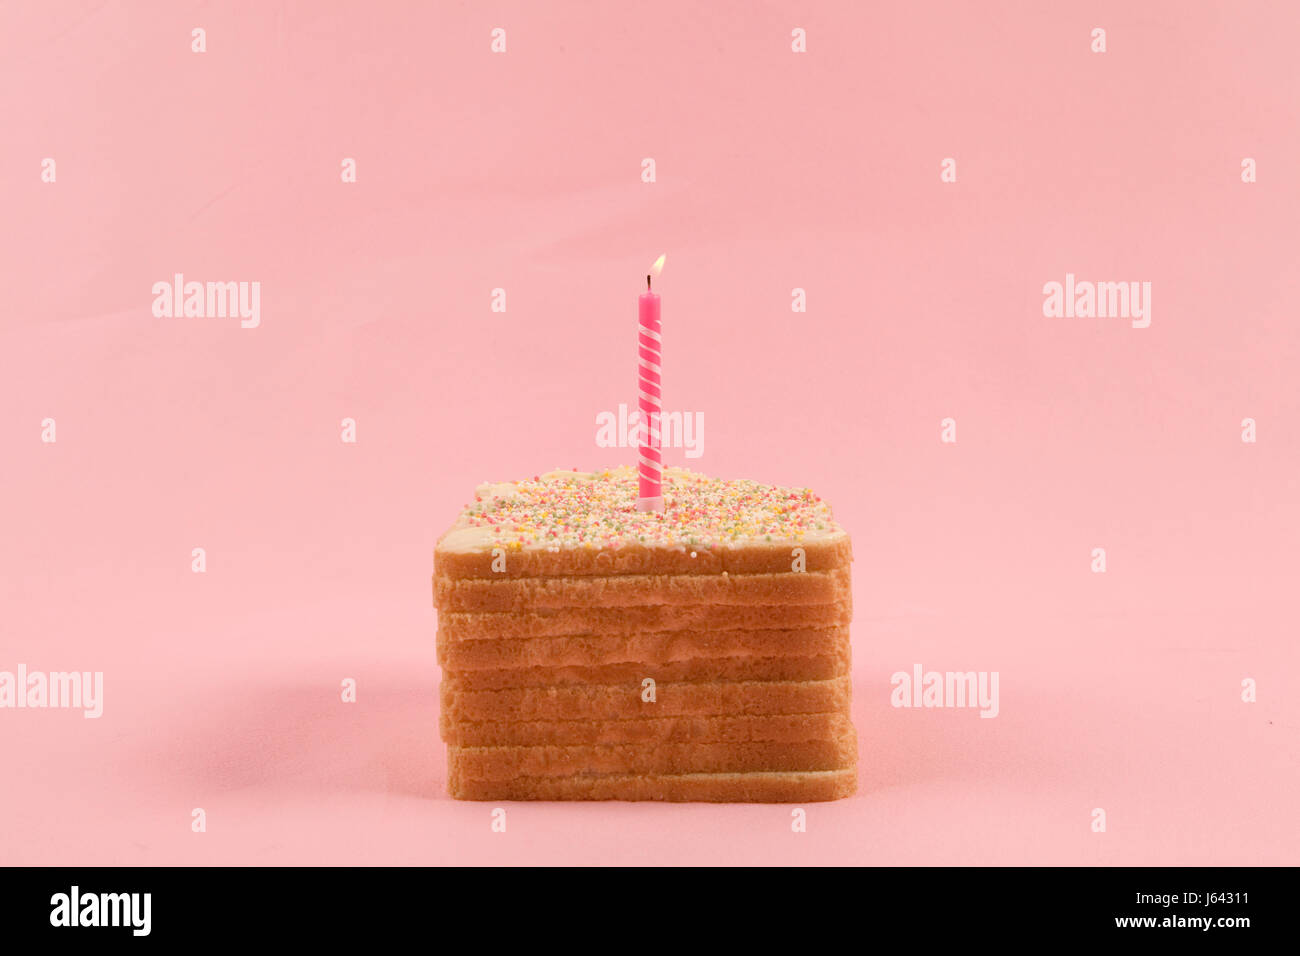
(566, 509)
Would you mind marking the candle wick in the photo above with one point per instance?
(647, 283)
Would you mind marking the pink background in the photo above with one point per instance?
(775, 170)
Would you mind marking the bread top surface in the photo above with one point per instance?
(567, 510)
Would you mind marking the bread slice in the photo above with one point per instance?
(568, 523)
(781, 728)
(623, 701)
(506, 763)
(555, 622)
(654, 648)
(530, 594)
(453, 560)
(769, 787)
(819, 667)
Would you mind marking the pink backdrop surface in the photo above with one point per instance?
(775, 170)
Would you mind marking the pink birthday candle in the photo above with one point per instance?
(650, 397)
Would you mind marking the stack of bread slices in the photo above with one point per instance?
(594, 652)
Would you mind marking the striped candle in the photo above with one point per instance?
(650, 398)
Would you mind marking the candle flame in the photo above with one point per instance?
(658, 267)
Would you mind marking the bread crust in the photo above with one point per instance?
(528, 594)
(784, 728)
(816, 667)
(775, 557)
(660, 647)
(556, 622)
(624, 701)
(770, 787)
(506, 763)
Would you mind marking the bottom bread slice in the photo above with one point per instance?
(506, 763)
(769, 787)
(786, 728)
